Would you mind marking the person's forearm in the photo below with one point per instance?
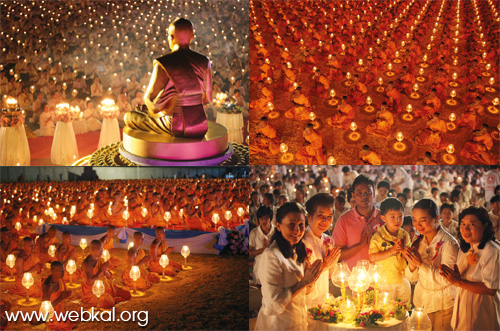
(256, 252)
(475, 287)
(297, 288)
(375, 257)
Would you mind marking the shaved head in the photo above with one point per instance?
(180, 32)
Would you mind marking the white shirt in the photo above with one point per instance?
(452, 229)
(433, 292)
(279, 310)
(474, 311)
(257, 236)
(319, 250)
(495, 219)
(491, 180)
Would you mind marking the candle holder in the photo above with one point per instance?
(380, 88)
(452, 101)
(273, 114)
(98, 289)
(448, 158)
(46, 311)
(490, 88)
(369, 108)
(71, 268)
(27, 282)
(424, 64)
(135, 274)
(241, 213)
(451, 125)
(419, 320)
(348, 81)
(493, 109)
(399, 146)
(83, 245)
(454, 83)
(377, 278)
(340, 277)
(333, 101)
(11, 262)
(354, 136)
(343, 49)
(164, 262)
(487, 72)
(421, 78)
(285, 157)
(359, 282)
(228, 215)
(331, 161)
(360, 67)
(185, 253)
(105, 256)
(215, 220)
(167, 216)
(408, 117)
(415, 94)
(389, 73)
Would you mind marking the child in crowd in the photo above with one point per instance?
(260, 237)
(386, 248)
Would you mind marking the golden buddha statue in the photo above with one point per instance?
(181, 83)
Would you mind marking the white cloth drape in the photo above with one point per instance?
(64, 149)
(80, 127)
(14, 148)
(110, 132)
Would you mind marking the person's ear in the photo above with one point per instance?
(278, 226)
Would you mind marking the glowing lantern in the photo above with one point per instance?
(312, 116)
(228, 215)
(18, 226)
(283, 148)
(105, 255)
(450, 149)
(52, 250)
(185, 252)
(135, 274)
(331, 161)
(27, 282)
(46, 310)
(98, 289)
(164, 262)
(215, 219)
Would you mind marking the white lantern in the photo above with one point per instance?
(228, 215)
(105, 255)
(83, 243)
(185, 252)
(215, 219)
(52, 250)
(240, 212)
(46, 310)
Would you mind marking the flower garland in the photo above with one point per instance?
(438, 246)
(368, 317)
(238, 243)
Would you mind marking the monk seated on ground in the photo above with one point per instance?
(94, 268)
(431, 105)
(55, 291)
(264, 97)
(357, 92)
(267, 140)
(479, 148)
(313, 152)
(383, 123)
(137, 256)
(426, 160)
(321, 85)
(302, 106)
(394, 98)
(158, 247)
(193, 218)
(108, 244)
(27, 261)
(43, 243)
(66, 252)
(101, 215)
(431, 136)
(82, 206)
(369, 156)
(406, 81)
(344, 117)
(7, 246)
(155, 215)
(117, 209)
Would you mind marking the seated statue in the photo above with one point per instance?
(181, 83)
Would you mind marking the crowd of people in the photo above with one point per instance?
(423, 72)
(82, 52)
(432, 229)
(171, 203)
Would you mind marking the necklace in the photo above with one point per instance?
(294, 256)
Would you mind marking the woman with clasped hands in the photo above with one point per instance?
(285, 275)
(476, 274)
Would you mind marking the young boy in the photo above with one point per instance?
(260, 237)
(321, 246)
(386, 247)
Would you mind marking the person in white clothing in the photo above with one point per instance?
(476, 274)
(47, 125)
(432, 248)
(260, 237)
(320, 246)
(285, 275)
(495, 214)
(491, 181)
(447, 222)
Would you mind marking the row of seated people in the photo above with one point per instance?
(32, 255)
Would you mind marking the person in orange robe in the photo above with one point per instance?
(431, 136)
(27, 261)
(321, 85)
(302, 106)
(142, 283)
(426, 160)
(7, 246)
(108, 244)
(289, 78)
(141, 259)
(479, 148)
(394, 98)
(358, 91)
(193, 219)
(158, 247)
(101, 216)
(5, 306)
(43, 243)
(94, 268)
(267, 140)
(344, 116)
(54, 290)
(135, 208)
(334, 69)
(312, 153)
(431, 105)
(471, 118)
(440, 84)
(406, 81)
(369, 156)
(383, 123)
(117, 209)
(82, 206)
(264, 97)
(155, 213)
(66, 252)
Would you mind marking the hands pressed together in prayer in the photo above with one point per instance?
(451, 275)
(413, 257)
